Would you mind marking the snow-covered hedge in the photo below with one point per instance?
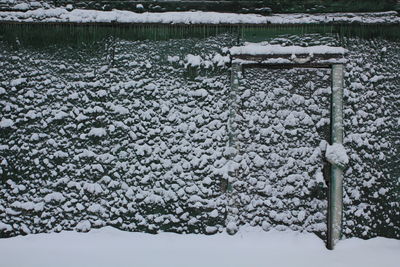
(135, 134)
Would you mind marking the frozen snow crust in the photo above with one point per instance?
(133, 134)
(118, 16)
(251, 247)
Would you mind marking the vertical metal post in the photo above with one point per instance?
(232, 211)
(235, 76)
(335, 195)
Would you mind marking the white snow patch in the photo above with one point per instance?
(5, 227)
(336, 154)
(22, 6)
(55, 196)
(83, 226)
(79, 206)
(17, 82)
(199, 93)
(60, 154)
(28, 205)
(93, 188)
(96, 208)
(99, 132)
(120, 109)
(214, 214)
(211, 229)
(69, 7)
(193, 60)
(102, 93)
(5, 123)
(231, 228)
(60, 115)
(301, 216)
(220, 60)
(172, 59)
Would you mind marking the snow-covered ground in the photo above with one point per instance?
(250, 247)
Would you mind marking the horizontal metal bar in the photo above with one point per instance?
(287, 66)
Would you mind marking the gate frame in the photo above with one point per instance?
(333, 61)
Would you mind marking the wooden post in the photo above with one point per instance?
(335, 195)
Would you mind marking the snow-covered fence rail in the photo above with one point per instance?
(62, 15)
(248, 6)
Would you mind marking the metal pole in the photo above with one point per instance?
(231, 218)
(335, 195)
(235, 76)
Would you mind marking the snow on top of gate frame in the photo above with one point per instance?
(265, 54)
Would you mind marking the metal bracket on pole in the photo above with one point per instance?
(335, 194)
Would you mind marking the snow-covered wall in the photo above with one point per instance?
(135, 134)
